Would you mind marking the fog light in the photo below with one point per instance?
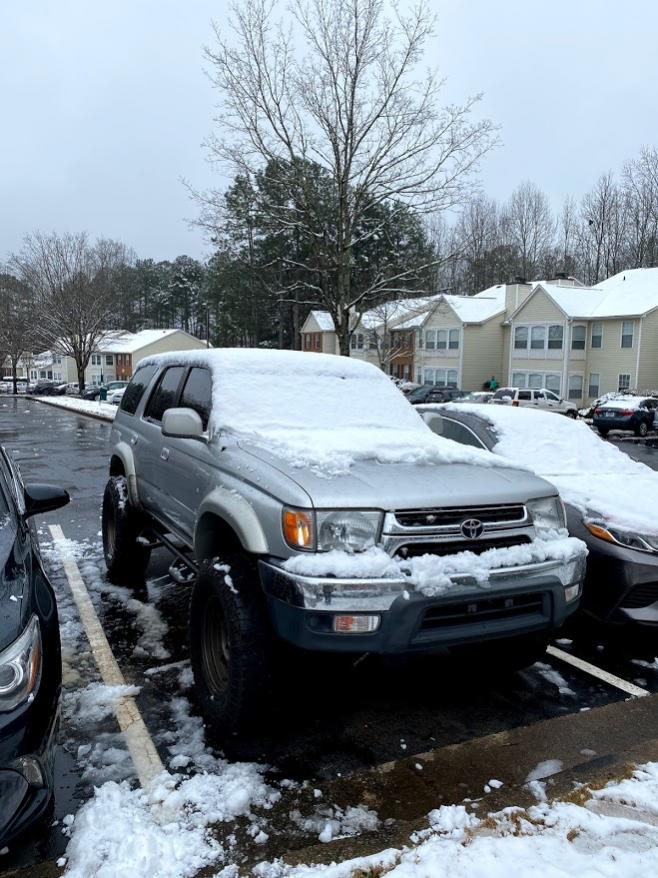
(571, 592)
(30, 769)
(356, 624)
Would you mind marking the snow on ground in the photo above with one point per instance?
(433, 574)
(591, 474)
(318, 411)
(83, 406)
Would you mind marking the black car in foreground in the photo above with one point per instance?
(30, 662)
(620, 593)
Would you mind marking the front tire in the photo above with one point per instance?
(126, 560)
(231, 645)
(642, 429)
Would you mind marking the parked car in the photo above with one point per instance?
(114, 397)
(634, 414)
(290, 487)
(481, 397)
(603, 490)
(46, 387)
(433, 393)
(543, 399)
(30, 664)
(94, 391)
(5, 387)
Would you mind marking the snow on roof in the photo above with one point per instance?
(129, 342)
(591, 474)
(623, 402)
(318, 411)
(470, 309)
(324, 320)
(627, 294)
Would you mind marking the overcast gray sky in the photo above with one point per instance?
(105, 105)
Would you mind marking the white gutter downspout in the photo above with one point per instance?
(565, 368)
(511, 348)
(462, 336)
(637, 362)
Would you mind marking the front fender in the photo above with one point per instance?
(239, 514)
(124, 453)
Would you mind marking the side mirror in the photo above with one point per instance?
(44, 498)
(182, 424)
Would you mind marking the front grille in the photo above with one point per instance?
(641, 596)
(486, 609)
(453, 517)
(413, 550)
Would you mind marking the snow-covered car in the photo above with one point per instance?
(5, 387)
(635, 414)
(603, 490)
(114, 397)
(476, 396)
(305, 501)
(521, 397)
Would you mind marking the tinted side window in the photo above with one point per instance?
(525, 394)
(135, 390)
(165, 394)
(197, 394)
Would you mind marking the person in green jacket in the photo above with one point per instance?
(493, 384)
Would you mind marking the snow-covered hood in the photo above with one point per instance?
(368, 484)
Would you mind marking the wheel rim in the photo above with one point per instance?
(643, 429)
(215, 654)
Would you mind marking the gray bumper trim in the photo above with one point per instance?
(367, 595)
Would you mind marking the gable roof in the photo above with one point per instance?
(469, 309)
(130, 342)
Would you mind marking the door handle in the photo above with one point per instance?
(164, 454)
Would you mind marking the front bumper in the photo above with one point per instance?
(513, 601)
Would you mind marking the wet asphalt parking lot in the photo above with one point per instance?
(335, 718)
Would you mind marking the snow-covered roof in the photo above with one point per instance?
(470, 309)
(318, 411)
(630, 293)
(129, 342)
(324, 320)
(590, 474)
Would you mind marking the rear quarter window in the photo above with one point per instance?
(135, 390)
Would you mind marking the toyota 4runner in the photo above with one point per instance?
(304, 500)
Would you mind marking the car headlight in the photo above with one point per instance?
(627, 539)
(20, 667)
(547, 514)
(349, 529)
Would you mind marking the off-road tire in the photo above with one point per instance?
(642, 429)
(231, 646)
(125, 558)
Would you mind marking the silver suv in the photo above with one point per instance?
(304, 500)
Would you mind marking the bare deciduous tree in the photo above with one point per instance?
(529, 225)
(74, 282)
(350, 103)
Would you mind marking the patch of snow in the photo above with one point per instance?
(544, 769)
(98, 700)
(555, 677)
(81, 406)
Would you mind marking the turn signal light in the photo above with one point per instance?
(600, 532)
(298, 528)
(356, 624)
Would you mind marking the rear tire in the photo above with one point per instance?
(126, 560)
(603, 433)
(642, 429)
(572, 413)
(231, 645)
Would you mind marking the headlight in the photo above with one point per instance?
(547, 514)
(349, 530)
(627, 539)
(20, 667)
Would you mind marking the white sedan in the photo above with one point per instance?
(114, 397)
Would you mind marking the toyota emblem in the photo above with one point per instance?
(472, 528)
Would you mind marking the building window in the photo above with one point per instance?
(575, 386)
(597, 334)
(96, 359)
(535, 381)
(420, 377)
(552, 383)
(356, 342)
(578, 334)
(57, 359)
(624, 382)
(428, 377)
(441, 340)
(537, 338)
(109, 360)
(519, 379)
(430, 337)
(555, 336)
(627, 334)
(594, 384)
(520, 338)
(372, 341)
(453, 339)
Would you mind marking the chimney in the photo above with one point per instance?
(516, 293)
(562, 279)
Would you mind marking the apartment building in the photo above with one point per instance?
(577, 341)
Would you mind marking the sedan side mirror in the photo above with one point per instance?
(182, 423)
(44, 498)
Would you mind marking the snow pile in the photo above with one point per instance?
(591, 474)
(102, 410)
(98, 701)
(433, 574)
(622, 402)
(318, 411)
